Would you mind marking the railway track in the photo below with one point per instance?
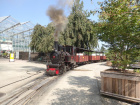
(37, 73)
(24, 94)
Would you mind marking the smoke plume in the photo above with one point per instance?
(56, 14)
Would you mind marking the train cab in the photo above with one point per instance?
(72, 52)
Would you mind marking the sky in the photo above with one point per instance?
(35, 10)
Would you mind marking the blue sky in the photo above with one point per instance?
(35, 10)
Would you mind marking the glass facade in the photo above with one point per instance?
(15, 33)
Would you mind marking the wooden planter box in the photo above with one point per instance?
(121, 85)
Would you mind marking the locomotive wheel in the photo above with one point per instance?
(62, 70)
(68, 68)
(72, 67)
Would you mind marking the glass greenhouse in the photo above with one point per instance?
(15, 36)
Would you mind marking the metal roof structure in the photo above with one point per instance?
(16, 32)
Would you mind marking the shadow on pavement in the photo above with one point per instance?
(87, 92)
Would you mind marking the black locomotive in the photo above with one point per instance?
(62, 59)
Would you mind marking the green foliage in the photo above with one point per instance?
(46, 44)
(137, 59)
(117, 62)
(119, 27)
(42, 38)
(4, 54)
(80, 31)
(109, 55)
(137, 70)
(36, 37)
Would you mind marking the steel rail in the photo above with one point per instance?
(25, 94)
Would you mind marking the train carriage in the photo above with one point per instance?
(103, 57)
(81, 56)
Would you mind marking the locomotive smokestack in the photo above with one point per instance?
(56, 45)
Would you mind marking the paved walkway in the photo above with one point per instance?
(78, 87)
(18, 73)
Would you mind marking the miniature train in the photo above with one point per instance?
(65, 58)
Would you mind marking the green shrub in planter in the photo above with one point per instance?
(4, 54)
(137, 70)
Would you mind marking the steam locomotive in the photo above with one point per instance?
(64, 58)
